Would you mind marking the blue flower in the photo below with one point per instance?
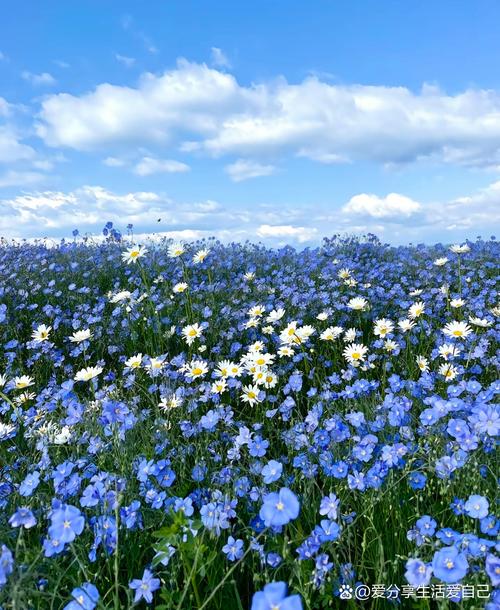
(272, 471)
(417, 480)
(84, 598)
(279, 508)
(327, 530)
(492, 566)
(233, 549)
(29, 484)
(490, 525)
(274, 597)
(145, 587)
(67, 523)
(329, 506)
(185, 505)
(449, 565)
(6, 564)
(417, 573)
(273, 560)
(23, 517)
(477, 507)
(426, 526)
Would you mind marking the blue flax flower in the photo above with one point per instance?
(6, 564)
(23, 517)
(145, 587)
(477, 507)
(493, 569)
(449, 565)
(84, 598)
(272, 471)
(233, 549)
(67, 523)
(417, 573)
(279, 508)
(274, 596)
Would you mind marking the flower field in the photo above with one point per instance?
(202, 426)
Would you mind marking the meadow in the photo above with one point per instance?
(204, 426)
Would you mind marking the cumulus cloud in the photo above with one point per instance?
(219, 58)
(479, 211)
(301, 234)
(61, 64)
(20, 178)
(128, 25)
(56, 213)
(38, 79)
(4, 107)
(128, 62)
(393, 204)
(149, 165)
(201, 108)
(114, 162)
(244, 169)
(11, 147)
(191, 98)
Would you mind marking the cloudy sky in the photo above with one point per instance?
(267, 120)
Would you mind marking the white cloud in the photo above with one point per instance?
(219, 58)
(20, 178)
(128, 62)
(244, 169)
(43, 164)
(202, 108)
(128, 25)
(38, 79)
(301, 234)
(61, 64)
(191, 98)
(479, 211)
(56, 214)
(392, 205)
(4, 107)
(11, 148)
(114, 162)
(149, 165)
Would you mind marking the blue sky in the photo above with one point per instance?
(273, 121)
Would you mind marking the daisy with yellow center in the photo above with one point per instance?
(196, 369)
(250, 394)
(134, 362)
(41, 333)
(457, 330)
(133, 254)
(23, 382)
(192, 332)
(355, 353)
